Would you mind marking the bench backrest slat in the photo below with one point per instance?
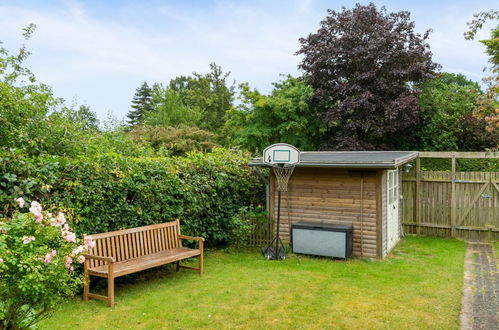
(136, 242)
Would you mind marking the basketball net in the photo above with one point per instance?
(282, 174)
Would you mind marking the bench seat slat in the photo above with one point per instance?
(145, 262)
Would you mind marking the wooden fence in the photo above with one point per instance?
(262, 231)
(451, 203)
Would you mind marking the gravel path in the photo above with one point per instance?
(480, 308)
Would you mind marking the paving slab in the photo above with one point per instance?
(480, 307)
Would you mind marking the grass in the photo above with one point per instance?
(419, 286)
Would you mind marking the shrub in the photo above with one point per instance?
(175, 140)
(112, 192)
(38, 253)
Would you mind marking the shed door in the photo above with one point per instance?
(392, 209)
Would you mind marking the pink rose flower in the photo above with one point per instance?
(35, 208)
(53, 253)
(1, 260)
(69, 261)
(20, 202)
(70, 237)
(65, 227)
(48, 258)
(89, 242)
(81, 259)
(71, 269)
(77, 251)
(38, 218)
(61, 219)
(27, 239)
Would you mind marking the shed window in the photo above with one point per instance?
(392, 186)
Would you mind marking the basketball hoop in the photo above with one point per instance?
(283, 158)
(282, 174)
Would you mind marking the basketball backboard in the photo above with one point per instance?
(281, 153)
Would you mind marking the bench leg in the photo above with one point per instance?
(86, 286)
(110, 286)
(201, 264)
(178, 266)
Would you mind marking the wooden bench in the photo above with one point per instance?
(123, 252)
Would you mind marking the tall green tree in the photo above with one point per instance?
(211, 93)
(141, 104)
(447, 121)
(363, 64)
(168, 109)
(283, 116)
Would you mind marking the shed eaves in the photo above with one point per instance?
(350, 159)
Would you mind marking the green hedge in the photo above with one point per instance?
(207, 192)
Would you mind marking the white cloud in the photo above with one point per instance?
(103, 56)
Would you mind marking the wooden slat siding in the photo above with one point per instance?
(476, 204)
(331, 196)
(382, 233)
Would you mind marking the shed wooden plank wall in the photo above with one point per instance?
(331, 196)
(384, 215)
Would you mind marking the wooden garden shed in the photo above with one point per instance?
(358, 188)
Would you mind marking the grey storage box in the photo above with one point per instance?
(322, 239)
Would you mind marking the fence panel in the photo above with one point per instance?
(475, 200)
(262, 231)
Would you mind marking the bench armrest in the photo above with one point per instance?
(201, 239)
(106, 259)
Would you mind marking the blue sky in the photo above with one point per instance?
(99, 52)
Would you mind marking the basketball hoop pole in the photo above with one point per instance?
(277, 238)
(282, 158)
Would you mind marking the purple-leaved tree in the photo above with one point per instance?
(364, 65)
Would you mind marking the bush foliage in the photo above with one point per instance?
(38, 253)
(207, 192)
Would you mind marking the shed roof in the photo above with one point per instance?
(350, 159)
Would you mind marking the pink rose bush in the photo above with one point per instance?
(38, 257)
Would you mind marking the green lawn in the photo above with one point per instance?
(418, 286)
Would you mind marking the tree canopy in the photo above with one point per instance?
(283, 116)
(363, 64)
(447, 121)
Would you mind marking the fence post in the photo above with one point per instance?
(417, 209)
(453, 204)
